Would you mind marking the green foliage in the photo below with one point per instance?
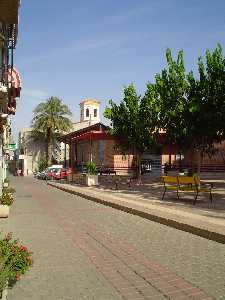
(7, 199)
(15, 259)
(51, 118)
(191, 110)
(9, 190)
(42, 164)
(133, 119)
(91, 168)
(172, 89)
(4, 273)
(207, 101)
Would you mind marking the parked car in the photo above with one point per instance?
(42, 175)
(50, 172)
(57, 174)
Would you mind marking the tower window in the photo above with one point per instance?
(95, 112)
(87, 112)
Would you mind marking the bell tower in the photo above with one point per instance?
(89, 111)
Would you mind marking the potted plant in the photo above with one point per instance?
(92, 174)
(6, 182)
(15, 260)
(9, 190)
(5, 202)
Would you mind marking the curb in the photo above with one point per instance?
(204, 233)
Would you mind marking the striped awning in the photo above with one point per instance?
(14, 78)
(15, 88)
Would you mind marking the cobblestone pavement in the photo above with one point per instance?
(83, 250)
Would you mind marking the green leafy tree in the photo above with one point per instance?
(191, 110)
(42, 164)
(172, 88)
(207, 104)
(133, 120)
(50, 119)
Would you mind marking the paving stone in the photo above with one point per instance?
(83, 250)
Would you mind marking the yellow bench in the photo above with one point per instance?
(186, 184)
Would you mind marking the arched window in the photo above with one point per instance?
(95, 112)
(87, 112)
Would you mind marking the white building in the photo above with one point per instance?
(30, 151)
(89, 115)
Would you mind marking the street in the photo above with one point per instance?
(84, 250)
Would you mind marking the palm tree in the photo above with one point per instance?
(51, 118)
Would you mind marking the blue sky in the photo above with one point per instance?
(77, 49)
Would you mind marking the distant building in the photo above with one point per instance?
(89, 115)
(90, 141)
(29, 152)
(10, 83)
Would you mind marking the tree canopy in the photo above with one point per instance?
(189, 107)
(51, 118)
(192, 108)
(133, 119)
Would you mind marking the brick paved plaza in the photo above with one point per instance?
(84, 250)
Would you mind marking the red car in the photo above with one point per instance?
(61, 173)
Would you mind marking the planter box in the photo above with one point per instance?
(5, 184)
(91, 180)
(4, 293)
(4, 211)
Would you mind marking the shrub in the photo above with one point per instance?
(15, 258)
(4, 273)
(91, 168)
(6, 199)
(42, 165)
(9, 190)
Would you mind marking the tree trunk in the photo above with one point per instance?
(49, 146)
(138, 169)
(200, 159)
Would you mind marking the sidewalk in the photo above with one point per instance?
(204, 219)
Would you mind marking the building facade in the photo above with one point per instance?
(10, 84)
(30, 152)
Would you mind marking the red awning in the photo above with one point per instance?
(14, 81)
(15, 87)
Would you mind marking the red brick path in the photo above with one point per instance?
(127, 269)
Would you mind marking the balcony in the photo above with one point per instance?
(9, 11)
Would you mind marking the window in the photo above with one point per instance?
(95, 112)
(87, 112)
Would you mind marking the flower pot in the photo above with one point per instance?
(4, 293)
(91, 180)
(5, 184)
(4, 211)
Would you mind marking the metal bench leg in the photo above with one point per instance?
(211, 197)
(178, 197)
(196, 196)
(116, 184)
